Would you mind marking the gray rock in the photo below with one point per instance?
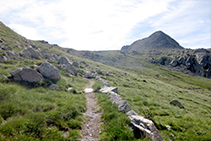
(26, 74)
(130, 113)
(83, 62)
(115, 98)
(124, 107)
(177, 103)
(90, 75)
(64, 60)
(75, 64)
(71, 69)
(13, 55)
(49, 71)
(34, 54)
(16, 74)
(53, 86)
(99, 71)
(44, 54)
(174, 63)
(204, 60)
(109, 89)
(181, 60)
(146, 127)
(26, 55)
(3, 58)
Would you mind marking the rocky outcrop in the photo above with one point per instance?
(64, 60)
(26, 74)
(199, 64)
(49, 71)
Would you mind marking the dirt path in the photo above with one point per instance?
(90, 129)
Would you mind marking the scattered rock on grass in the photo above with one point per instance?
(53, 86)
(177, 103)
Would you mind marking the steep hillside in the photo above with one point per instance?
(157, 40)
(146, 79)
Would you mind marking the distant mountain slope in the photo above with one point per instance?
(157, 40)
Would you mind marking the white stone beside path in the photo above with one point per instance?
(88, 90)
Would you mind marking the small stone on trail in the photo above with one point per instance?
(88, 90)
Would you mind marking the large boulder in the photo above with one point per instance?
(64, 60)
(71, 69)
(49, 71)
(26, 74)
(146, 127)
(90, 75)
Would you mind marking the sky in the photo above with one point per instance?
(108, 24)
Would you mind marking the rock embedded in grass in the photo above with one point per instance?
(53, 86)
(177, 103)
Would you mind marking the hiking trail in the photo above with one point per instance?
(91, 129)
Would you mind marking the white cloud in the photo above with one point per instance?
(25, 31)
(93, 24)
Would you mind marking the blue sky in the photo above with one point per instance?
(109, 24)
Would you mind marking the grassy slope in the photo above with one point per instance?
(37, 113)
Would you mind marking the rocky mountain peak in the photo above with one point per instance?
(157, 40)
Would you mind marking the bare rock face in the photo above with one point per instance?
(64, 60)
(71, 69)
(49, 71)
(26, 74)
(146, 127)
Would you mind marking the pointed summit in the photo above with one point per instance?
(157, 40)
